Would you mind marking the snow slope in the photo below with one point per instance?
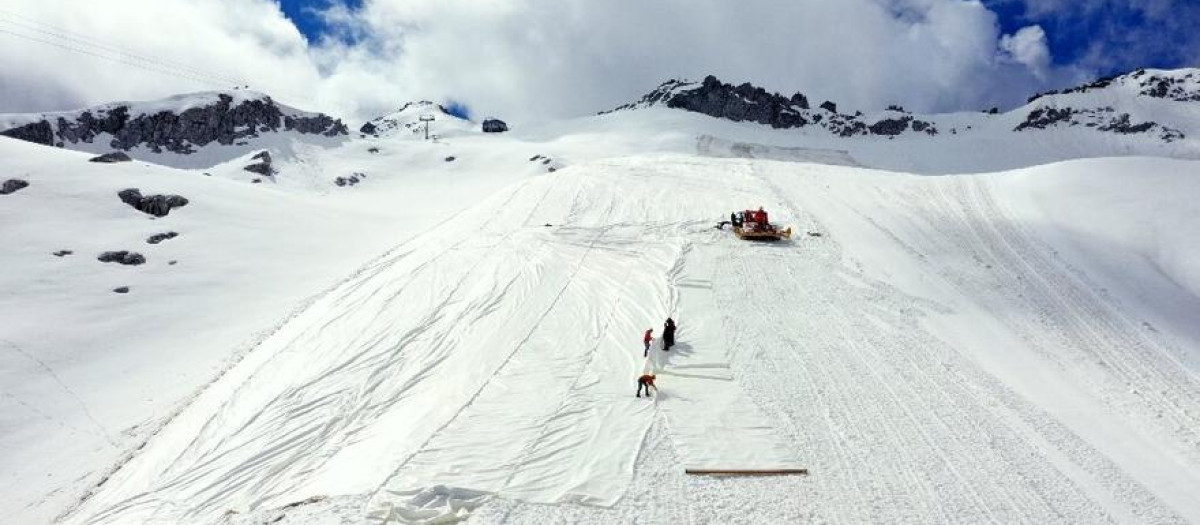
(1008, 346)
(893, 356)
(88, 375)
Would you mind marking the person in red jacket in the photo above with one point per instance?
(762, 217)
(647, 382)
(647, 339)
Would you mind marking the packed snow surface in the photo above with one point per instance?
(460, 339)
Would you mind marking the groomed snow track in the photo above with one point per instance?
(496, 355)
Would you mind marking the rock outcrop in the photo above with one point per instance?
(109, 158)
(1180, 85)
(156, 205)
(1104, 119)
(352, 180)
(263, 167)
(220, 121)
(122, 257)
(747, 103)
(12, 186)
(741, 103)
(160, 237)
(40, 132)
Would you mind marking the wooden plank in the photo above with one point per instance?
(737, 472)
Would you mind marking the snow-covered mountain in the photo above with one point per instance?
(389, 329)
(407, 119)
(1138, 103)
(754, 104)
(194, 130)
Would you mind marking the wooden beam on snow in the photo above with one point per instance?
(740, 472)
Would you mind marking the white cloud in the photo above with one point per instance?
(90, 53)
(1028, 46)
(525, 59)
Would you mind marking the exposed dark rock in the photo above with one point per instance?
(12, 185)
(1171, 135)
(40, 132)
(353, 179)
(1155, 86)
(372, 149)
(660, 94)
(319, 124)
(891, 127)
(63, 253)
(741, 103)
(1122, 125)
(747, 103)
(121, 289)
(846, 126)
(535, 157)
(1101, 119)
(156, 205)
(122, 257)
(1171, 88)
(368, 129)
(494, 126)
(1042, 118)
(220, 122)
(108, 158)
(261, 168)
(256, 181)
(160, 237)
(450, 158)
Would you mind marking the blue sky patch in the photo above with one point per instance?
(306, 15)
(458, 109)
(1100, 36)
(1110, 36)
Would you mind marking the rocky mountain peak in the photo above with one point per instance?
(178, 124)
(746, 102)
(1180, 85)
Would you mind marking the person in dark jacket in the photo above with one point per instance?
(647, 382)
(668, 334)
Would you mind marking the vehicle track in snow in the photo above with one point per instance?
(971, 448)
(1144, 375)
(896, 425)
(1066, 330)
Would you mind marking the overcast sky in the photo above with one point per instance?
(527, 59)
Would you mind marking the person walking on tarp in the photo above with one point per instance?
(668, 334)
(647, 339)
(647, 382)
